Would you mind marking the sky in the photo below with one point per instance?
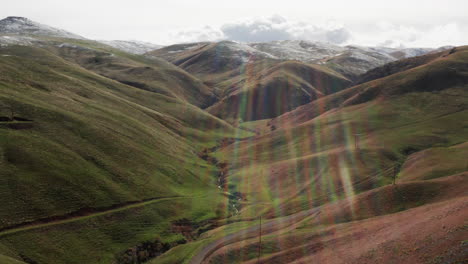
(396, 23)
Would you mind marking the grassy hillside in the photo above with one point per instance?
(249, 84)
(435, 162)
(108, 157)
(8, 260)
(277, 90)
(86, 143)
(311, 158)
(401, 65)
(208, 61)
(338, 156)
(434, 77)
(410, 221)
(150, 74)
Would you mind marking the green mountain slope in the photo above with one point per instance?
(148, 74)
(86, 142)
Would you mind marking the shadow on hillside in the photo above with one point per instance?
(16, 123)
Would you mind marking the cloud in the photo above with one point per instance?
(368, 34)
(206, 33)
(266, 29)
(400, 35)
(279, 28)
(259, 30)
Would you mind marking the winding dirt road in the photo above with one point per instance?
(278, 224)
(82, 214)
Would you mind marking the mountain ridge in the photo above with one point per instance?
(25, 26)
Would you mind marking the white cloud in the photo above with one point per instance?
(400, 35)
(268, 29)
(258, 30)
(206, 33)
(368, 33)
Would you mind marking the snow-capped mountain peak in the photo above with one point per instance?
(132, 46)
(23, 26)
(298, 49)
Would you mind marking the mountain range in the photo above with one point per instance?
(224, 152)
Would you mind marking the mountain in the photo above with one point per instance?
(402, 65)
(134, 47)
(210, 60)
(300, 50)
(309, 51)
(357, 60)
(153, 74)
(259, 75)
(276, 90)
(351, 61)
(242, 75)
(23, 26)
(430, 73)
(21, 30)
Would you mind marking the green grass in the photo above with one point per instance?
(96, 143)
(147, 73)
(180, 254)
(183, 253)
(8, 260)
(103, 236)
(435, 163)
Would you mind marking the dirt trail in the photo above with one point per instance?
(82, 214)
(274, 225)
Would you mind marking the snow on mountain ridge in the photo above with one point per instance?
(23, 26)
(298, 49)
(309, 51)
(16, 40)
(133, 46)
(244, 51)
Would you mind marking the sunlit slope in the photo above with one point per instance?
(92, 142)
(311, 156)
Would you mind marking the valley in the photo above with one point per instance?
(223, 152)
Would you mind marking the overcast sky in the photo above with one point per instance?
(410, 23)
